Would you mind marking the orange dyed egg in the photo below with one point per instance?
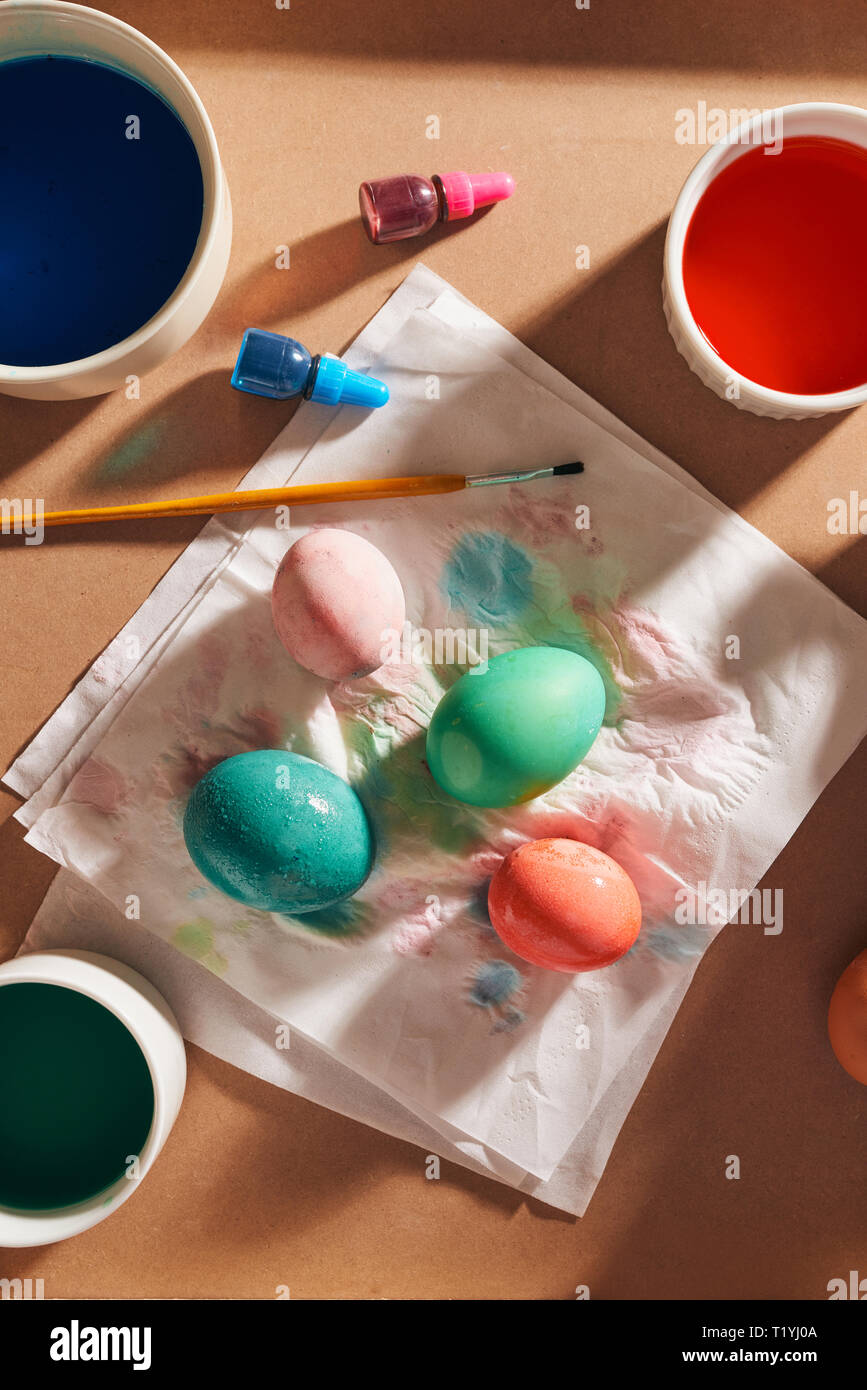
(847, 1019)
(563, 905)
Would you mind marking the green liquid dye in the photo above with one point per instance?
(76, 1097)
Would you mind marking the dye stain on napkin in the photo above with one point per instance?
(101, 200)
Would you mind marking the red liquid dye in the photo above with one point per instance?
(775, 266)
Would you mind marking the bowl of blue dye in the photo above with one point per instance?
(115, 218)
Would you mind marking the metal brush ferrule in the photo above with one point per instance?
(488, 479)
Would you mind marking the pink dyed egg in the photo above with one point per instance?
(337, 603)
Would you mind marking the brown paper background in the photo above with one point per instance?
(256, 1188)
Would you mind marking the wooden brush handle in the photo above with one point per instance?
(304, 495)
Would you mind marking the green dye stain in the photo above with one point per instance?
(564, 628)
(196, 940)
(76, 1097)
(550, 620)
(402, 796)
(521, 603)
(349, 918)
(132, 457)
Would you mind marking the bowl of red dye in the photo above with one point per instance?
(765, 274)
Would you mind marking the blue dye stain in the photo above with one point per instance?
(488, 577)
(97, 229)
(494, 983)
(478, 903)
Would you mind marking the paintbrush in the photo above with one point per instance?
(304, 495)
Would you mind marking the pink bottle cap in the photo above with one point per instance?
(463, 193)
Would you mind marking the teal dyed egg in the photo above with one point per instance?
(278, 832)
(510, 732)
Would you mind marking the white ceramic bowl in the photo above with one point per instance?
(132, 999)
(31, 27)
(808, 118)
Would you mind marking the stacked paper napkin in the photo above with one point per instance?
(712, 753)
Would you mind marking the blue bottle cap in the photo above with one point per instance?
(335, 384)
(271, 365)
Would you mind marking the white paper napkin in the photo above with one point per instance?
(223, 1022)
(694, 573)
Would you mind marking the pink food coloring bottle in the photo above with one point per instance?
(409, 205)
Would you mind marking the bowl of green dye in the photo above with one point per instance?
(92, 1074)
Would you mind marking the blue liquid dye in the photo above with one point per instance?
(96, 230)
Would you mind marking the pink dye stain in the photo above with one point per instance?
(175, 773)
(99, 785)
(259, 728)
(414, 937)
(644, 643)
(386, 698)
(181, 769)
(539, 520)
(109, 669)
(676, 712)
(591, 543)
(213, 659)
(668, 688)
(675, 705)
(259, 645)
(486, 862)
(601, 631)
(395, 678)
(420, 916)
(628, 836)
(194, 764)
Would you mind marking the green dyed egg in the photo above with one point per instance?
(513, 731)
(278, 832)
